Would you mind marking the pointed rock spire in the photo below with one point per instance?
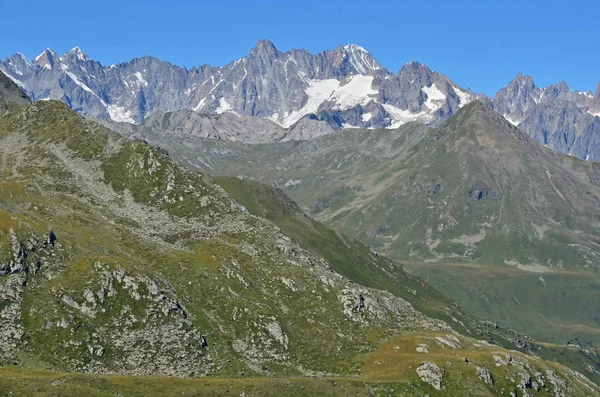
(47, 59)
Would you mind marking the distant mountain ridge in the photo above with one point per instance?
(345, 87)
(324, 92)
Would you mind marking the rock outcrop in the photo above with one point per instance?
(431, 374)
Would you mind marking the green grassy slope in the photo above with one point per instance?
(473, 191)
(114, 259)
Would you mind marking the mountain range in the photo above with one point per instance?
(325, 92)
(117, 263)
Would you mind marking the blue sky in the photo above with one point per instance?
(479, 44)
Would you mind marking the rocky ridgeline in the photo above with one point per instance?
(322, 92)
(270, 95)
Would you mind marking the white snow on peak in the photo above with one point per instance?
(355, 92)
(435, 97)
(400, 116)
(39, 56)
(366, 117)
(354, 47)
(513, 122)
(80, 54)
(463, 97)
(597, 114)
(119, 114)
(317, 91)
(24, 59)
(359, 58)
(16, 68)
(46, 51)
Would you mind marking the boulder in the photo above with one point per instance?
(430, 373)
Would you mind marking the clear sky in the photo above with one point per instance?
(479, 44)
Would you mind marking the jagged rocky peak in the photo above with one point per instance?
(265, 53)
(558, 89)
(522, 83)
(20, 63)
(359, 58)
(75, 54)
(416, 72)
(47, 59)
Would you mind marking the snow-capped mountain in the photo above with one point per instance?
(345, 87)
(305, 94)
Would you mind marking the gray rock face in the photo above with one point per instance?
(10, 94)
(561, 119)
(27, 254)
(431, 374)
(485, 375)
(225, 126)
(320, 93)
(345, 87)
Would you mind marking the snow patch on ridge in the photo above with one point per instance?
(119, 114)
(140, 79)
(435, 97)
(224, 106)
(200, 105)
(400, 116)
(355, 92)
(318, 91)
(513, 122)
(463, 97)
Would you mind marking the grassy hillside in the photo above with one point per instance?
(392, 370)
(474, 191)
(117, 265)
